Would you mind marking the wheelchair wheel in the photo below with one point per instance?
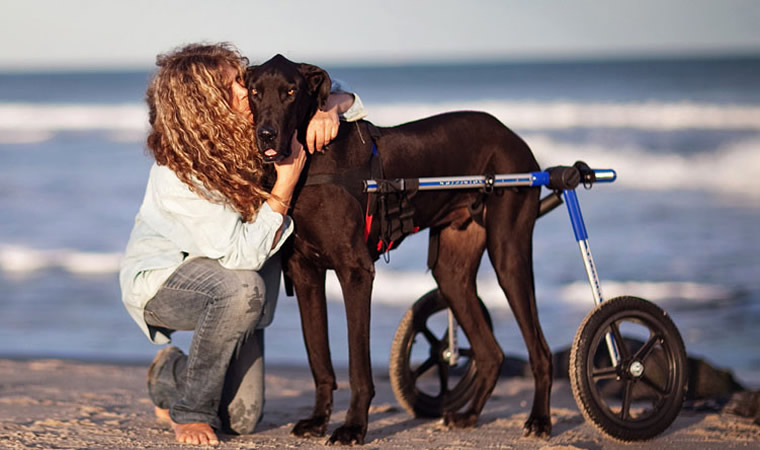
(640, 396)
(423, 381)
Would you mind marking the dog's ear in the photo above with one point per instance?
(318, 81)
(248, 74)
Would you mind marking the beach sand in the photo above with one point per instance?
(71, 404)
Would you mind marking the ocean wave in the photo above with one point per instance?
(391, 287)
(27, 122)
(21, 261)
(730, 169)
(57, 117)
(403, 288)
(696, 294)
(657, 116)
(30, 123)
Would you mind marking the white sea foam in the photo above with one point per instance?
(22, 123)
(75, 117)
(730, 169)
(22, 260)
(391, 287)
(403, 288)
(696, 293)
(557, 115)
(17, 118)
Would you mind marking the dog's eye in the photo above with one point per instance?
(291, 92)
(254, 91)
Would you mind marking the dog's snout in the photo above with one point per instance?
(266, 133)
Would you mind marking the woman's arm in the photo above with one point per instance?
(212, 229)
(342, 104)
(323, 127)
(288, 172)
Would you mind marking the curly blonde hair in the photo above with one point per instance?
(197, 134)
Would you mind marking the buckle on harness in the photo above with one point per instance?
(488, 184)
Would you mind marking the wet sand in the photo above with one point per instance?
(71, 404)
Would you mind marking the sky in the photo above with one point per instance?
(109, 34)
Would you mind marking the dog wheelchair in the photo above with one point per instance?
(628, 366)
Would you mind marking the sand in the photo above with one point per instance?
(71, 404)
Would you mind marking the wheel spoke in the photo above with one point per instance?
(625, 408)
(657, 389)
(604, 374)
(622, 348)
(431, 338)
(643, 353)
(443, 376)
(424, 367)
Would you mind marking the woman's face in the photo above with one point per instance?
(238, 92)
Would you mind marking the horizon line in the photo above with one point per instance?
(346, 63)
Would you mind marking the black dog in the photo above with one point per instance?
(330, 213)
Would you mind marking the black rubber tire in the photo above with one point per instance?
(630, 401)
(404, 378)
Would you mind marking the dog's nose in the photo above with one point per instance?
(266, 134)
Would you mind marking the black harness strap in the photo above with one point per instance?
(395, 211)
(433, 240)
(390, 214)
(351, 179)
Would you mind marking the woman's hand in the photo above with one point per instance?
(323, 127)
(288, 172)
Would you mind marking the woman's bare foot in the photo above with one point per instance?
(162, 415)
(188, 433)
(195, 433)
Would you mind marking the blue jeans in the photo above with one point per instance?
(221, 380)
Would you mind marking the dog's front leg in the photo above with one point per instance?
(309, 284)
(356, 284)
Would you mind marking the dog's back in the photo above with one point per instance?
(454, 143)
(449, 144)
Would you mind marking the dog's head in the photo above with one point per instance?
(283, 96)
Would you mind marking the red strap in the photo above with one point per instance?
(367, 223)
(380, 246)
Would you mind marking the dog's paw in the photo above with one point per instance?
(460, 420)
(348, 435)
(538, 427)
(311, 427)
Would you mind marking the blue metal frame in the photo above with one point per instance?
(581, 237)
(478, 181)
(576, 218)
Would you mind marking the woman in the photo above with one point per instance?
(202, 255)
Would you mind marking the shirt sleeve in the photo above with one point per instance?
(356, 111)
(200, 227)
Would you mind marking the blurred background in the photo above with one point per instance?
(665, 92)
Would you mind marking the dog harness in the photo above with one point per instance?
(389, 214)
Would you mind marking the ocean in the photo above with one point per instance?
(678, 227)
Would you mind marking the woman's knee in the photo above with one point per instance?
(244, 416)
(243, 293)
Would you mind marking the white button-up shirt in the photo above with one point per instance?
(175, 224)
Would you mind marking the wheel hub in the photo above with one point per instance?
(636, 369)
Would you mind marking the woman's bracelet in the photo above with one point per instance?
(285, 205)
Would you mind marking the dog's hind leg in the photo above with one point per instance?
(309, 283)
(459, 254)
(510, 219)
